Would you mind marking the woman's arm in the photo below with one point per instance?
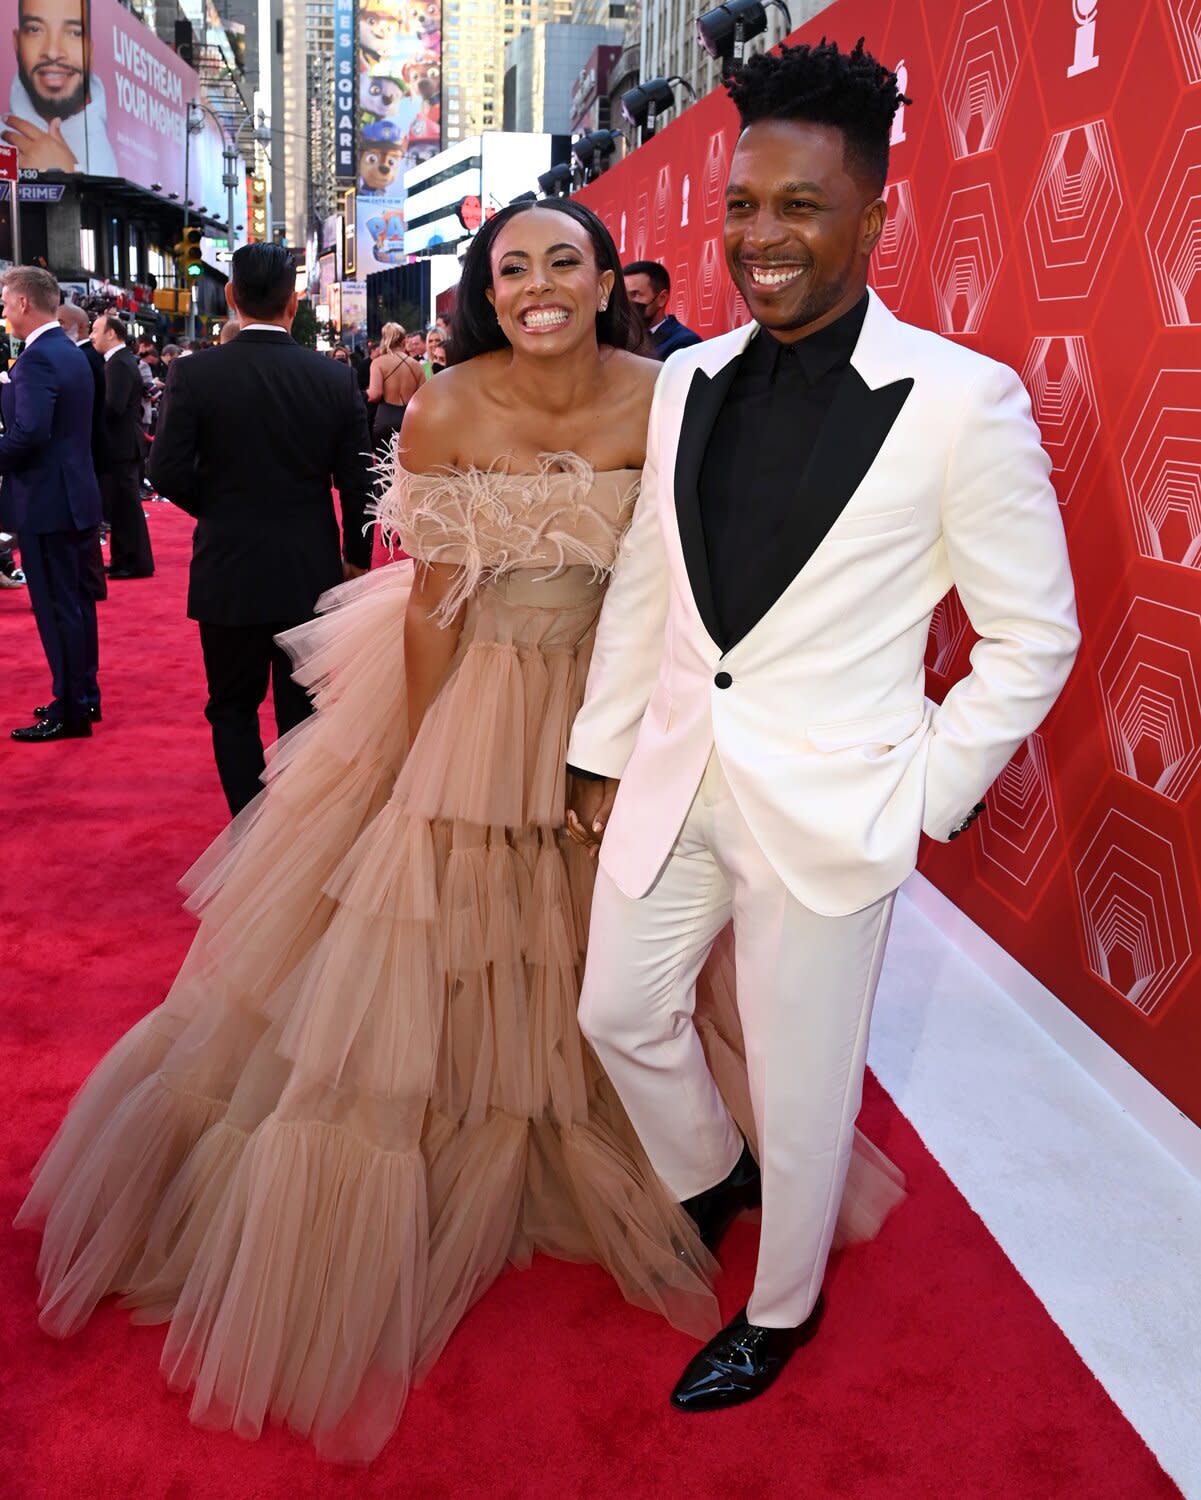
(429, 644)
(375, 384)
(429, 445)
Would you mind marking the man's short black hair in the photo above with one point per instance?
(652, 270)
(263, 279)
(849, 91)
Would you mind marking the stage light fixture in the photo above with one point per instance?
(724, 31)
(556, 183)
(594, 151)
(642, 104)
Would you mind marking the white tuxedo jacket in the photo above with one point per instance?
(930, 472)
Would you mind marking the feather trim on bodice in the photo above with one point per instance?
(486, 523)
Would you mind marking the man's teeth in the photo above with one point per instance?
(544, 319)
(774, 278)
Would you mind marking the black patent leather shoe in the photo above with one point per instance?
(44, 711)
(741, 1362)
(53, 729)
(714, 1210)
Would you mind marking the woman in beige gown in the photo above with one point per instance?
(366, 1090)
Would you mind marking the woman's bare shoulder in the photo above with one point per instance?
(634, 375)
(433, 429)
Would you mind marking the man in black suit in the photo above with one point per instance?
(125, 449)
(251, 440)
(649, 289)
(76, 324)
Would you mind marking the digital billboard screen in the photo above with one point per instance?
(399, 55)
(90, 89)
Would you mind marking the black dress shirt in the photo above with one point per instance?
(762, 439)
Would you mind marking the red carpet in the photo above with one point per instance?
(937, 1372)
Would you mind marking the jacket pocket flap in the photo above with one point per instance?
(876, 729)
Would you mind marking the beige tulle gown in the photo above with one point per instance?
(366, 1090)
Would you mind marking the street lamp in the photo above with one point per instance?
(197, 110)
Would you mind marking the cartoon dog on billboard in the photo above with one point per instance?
(381, 157)
(380, 23)
(380, 97)
(425, 20)
(423, 77)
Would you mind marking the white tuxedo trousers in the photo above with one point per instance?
(806, 984)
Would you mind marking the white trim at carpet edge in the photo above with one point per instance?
(1133, 1094)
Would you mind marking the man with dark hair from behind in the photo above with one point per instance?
(826, 474)
(649, 288)
(130, 553)
(252, 439)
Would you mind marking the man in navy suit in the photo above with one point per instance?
(649, 287)
(50, 496)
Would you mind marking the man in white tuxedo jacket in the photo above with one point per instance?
(815, 483)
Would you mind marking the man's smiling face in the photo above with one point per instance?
(801, 224)
(52, 55)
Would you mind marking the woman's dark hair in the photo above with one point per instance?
(474, 327)
(849, 90)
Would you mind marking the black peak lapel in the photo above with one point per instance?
(704, 401)
(858, 422)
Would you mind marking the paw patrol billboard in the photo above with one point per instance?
(399, 114)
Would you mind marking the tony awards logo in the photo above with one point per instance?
(1085, 59)
(898, 120)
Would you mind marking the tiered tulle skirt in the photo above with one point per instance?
(366, 1090)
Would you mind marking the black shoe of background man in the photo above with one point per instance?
(714, 1210)
(740, 1362)
(53, 729)
(45, 711)
(126, 573)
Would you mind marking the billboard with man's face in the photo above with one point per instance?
(399, 56)
(88, 88)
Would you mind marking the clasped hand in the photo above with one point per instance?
(589, 804)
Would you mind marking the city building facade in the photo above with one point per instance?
(474, 36)
(542, 66)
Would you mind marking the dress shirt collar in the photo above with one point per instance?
(37, 332)
(815, 356)
(108, 353)
(262, 328)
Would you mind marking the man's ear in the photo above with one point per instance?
(229, 298)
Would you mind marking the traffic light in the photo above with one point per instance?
(187, 252)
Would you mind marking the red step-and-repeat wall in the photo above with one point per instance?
(1045, 199)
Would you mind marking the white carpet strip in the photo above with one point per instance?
(1100, 1219)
